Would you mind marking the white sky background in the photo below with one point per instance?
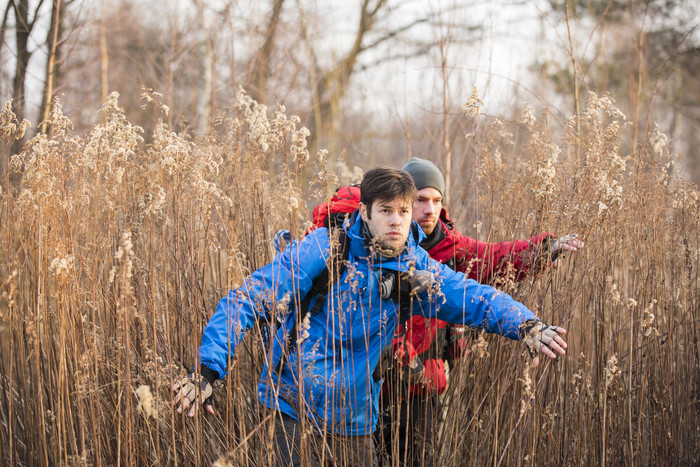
(496, 59)
(37, 63)
(494, 62)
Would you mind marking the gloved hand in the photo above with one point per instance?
(557, 247)
(191, 389)
(402, 357)
(542, 337)
(419, 280)
(434, 378)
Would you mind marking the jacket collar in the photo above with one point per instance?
(359, 248)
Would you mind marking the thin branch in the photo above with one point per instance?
(394, 33)
(3, 28)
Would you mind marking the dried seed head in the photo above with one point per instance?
(481, 347)
(612, 371)
(146, 405)
(472, 107)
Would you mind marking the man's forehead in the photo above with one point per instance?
(395, 202)
(429, 193)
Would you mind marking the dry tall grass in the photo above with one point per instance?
(114, 254)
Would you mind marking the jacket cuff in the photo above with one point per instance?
(527, 326)
(208, 374)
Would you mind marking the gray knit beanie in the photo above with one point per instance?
(425, 174)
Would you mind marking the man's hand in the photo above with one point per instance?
(542, 337)
(419, 280)
(413, 372)
(563, 244)
(194, 388)
(403, 358)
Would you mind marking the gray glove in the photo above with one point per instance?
(556, 247)
(542, 337)
(193, 388)
(413, 282)
(419, 280)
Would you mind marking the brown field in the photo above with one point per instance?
(116, 247)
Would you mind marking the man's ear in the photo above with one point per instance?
(363, 211)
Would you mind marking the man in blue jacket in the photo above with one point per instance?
(318, 376)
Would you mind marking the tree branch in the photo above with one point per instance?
(3, 28)
(260, 70)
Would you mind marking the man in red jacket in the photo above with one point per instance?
(435, 343)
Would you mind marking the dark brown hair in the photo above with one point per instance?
(384, 184)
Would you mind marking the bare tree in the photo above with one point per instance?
(52, 71)
(330, 84)
(25, 21)
(644, 53)
(259, 68)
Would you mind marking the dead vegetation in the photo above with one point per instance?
(114, 253)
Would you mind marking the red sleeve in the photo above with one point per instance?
(486, 262)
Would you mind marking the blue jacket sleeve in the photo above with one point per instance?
(272, 289)
(462, 300)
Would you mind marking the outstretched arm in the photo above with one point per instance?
(461, 300)
(542, 337)
(488, 262)
(267, 291)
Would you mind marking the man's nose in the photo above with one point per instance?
(430, 208)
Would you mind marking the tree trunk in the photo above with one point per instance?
(23, 29)
(52, 71)
(260, 70)
(331, 86)
(104, 63)
(206, 61)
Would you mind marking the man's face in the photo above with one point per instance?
(426, 209)
(389, 223)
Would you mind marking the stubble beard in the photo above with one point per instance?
(431, 227)
(389, 248)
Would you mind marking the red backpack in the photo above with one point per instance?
(344, 202)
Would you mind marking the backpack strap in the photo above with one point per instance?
(335, 220)
(333, 271)
(335, 267)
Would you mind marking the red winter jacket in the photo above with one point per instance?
(433, 340)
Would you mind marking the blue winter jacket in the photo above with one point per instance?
(330, 378)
